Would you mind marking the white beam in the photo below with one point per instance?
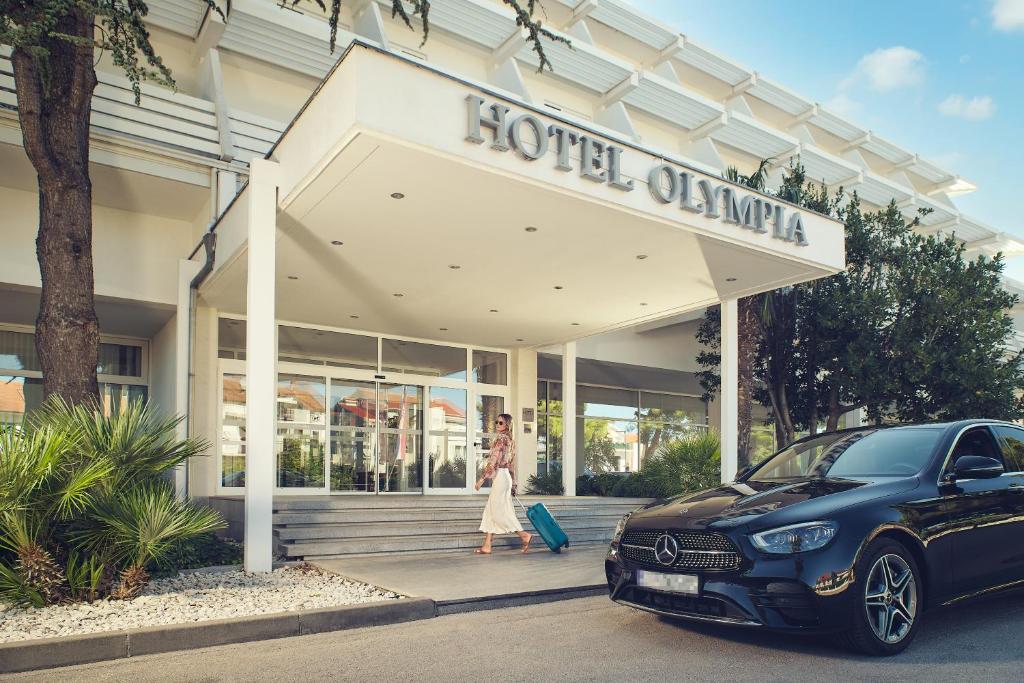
(212, 88)
(367, 22)
(510, 47)
(856, 142)
(569, 418)
(705, 129)
(579, 13)
(261, 365)
(508, 76)
(906, 163)
(743, 86)
(805, 116)
(620, 90)
(668, 52)
(211, 30)
(938, 227)
(729, 394)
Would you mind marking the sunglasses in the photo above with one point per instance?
(500, 423)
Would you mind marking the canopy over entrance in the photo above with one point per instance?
(493, 247)
(405, 201)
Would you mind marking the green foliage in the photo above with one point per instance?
(911, 330)
(451, 473)
(89, 489)
(598, 448)
(617, 484)
(547, 484)
(690, 463)
(203, 550)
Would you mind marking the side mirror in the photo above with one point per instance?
(977, 467)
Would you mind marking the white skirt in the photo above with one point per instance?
(499, 515)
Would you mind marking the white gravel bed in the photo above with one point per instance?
(193, 597)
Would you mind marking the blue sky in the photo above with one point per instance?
(942, 78)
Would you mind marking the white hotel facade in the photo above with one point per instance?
(342, 270)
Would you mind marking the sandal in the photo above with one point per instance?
(481, 551)
(526, 543)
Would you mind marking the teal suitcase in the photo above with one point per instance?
(546, 526)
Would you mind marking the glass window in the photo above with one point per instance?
(555, 398)
(609, 445)
(446, 438)
(618, 404)
(1011, 442)
(301, 399)
(232, 431)
(423, 359)
(542, 397)
(337, 349)
(893, 452)
(18, 395)
(300, 457)
(490, 367)
(18, 351)
(231, 338)
(116, 397)
(123, 360)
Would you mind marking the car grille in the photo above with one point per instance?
(699, 550)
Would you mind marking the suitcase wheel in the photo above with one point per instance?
(558, 549)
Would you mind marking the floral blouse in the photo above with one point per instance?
(503, 455)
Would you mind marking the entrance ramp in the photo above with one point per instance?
(322, 527)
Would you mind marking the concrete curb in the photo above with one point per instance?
(445, 607)
(97, 647)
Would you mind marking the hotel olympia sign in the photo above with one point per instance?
(598, 161)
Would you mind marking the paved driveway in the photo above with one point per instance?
(587, 639)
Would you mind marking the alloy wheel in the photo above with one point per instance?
(890, 598)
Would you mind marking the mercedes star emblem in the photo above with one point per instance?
(666, 549)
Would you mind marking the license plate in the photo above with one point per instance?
(673, 583)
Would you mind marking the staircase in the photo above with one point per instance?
(350, 526)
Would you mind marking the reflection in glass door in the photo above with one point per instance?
(376, 437)
(446, 439)
(488, 408)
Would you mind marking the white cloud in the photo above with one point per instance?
(888, 69)
(974, 109)
(964, 59)
(1008, 15)
(844, 104)
(947, 160)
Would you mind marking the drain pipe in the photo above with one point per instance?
(209, 242)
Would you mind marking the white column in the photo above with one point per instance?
(524, 392)
(186, 271)
(569, 418)
(260, 365)
(728, 396)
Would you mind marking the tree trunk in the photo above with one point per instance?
(748, 336)
(54, 103)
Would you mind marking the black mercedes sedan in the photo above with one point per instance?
(854, 533)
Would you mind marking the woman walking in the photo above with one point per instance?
(499, 515)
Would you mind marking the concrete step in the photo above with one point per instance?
(536, 547)
(393, 544)
(429, 515)
(322, 531)
(419, 502)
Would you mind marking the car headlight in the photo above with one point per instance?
(619, 528)
(796, 538)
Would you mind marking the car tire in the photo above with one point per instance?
(887, 591)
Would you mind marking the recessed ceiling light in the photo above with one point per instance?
(443, 329)
(641, 257)
(494, 310)
(517, 339)
(530, 228)
(319, 334)
(398, 295)
(337, 243)
(730, 279)
(397, 195)
(643, 303)
(575, 323)
(559, 287)
(454, 267)
(293, 277)
(354, 317)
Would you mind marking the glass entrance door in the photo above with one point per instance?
(376, 437)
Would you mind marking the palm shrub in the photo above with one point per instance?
(689, 463)
(85, 505)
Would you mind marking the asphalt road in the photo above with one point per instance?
(587, 639)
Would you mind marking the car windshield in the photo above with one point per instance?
(894, 452)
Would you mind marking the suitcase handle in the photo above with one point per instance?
(516, 499)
